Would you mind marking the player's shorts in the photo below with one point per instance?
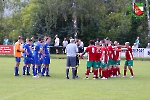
(103, 65)
(18, 59)
(36, 59)
(110, 62)
(46, 60)
(32, 60)
(117, 62)
(27, 60)
(98, 64)
(71, 61)
(128, 63)
(91, 64)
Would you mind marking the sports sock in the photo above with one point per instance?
(35, 71)
(67, 72)
(114, 71)
(131, 71)
(43, 70)
(125, 70)
(118, 70)
(73, 73)
(24, 70)
(87, 72)
(28, 70)
(39, 69)
(47, 71)
(16, 70)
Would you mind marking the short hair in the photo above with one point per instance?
(19, 37)
(39, 39)
(92, 42)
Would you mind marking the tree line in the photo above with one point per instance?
(95, 19)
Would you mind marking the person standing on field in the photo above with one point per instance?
(129, 59)
(65, 43)
(17, 55)
(71, 51)
(56, 44)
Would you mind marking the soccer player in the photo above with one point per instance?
(71, 51)
(46, 57)
(27, 58)
(37, 50)
(116, 58)
(17, 55)
(110, 61)
(104, 61)
(91, 60)
(32, 58)
(129, 59)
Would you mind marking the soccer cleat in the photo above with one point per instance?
(36, 76)
(16, 74)
(67, 77)
(131, 76)
(119, 75)
(23, 74)
(47, 75)
(28, 74)
(124, 76)
(115, 76)
(104, 78)
(86, 78)
(111, 76)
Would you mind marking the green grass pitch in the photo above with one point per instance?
(58, 87)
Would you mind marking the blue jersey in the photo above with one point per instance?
(27, 49)
(46, 48)
(37, 47)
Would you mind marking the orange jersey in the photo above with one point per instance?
(17, 50)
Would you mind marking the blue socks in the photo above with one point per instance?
(24, 70)
(33, 68)
(28, 70)
(47, 71)
(43, 71)
(16, 71)
(35, 71)
(39, 69)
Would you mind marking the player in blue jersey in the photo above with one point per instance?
(32, 58)
(37, 50)
(46, 57)
(27, 58)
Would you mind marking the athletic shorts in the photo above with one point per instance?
(117, 62)
(98, 64)
(110, 62)
(18, 59)
(36, 59)
(71, 61)
(91, 64)
(27, 60)
(128, 63)
(46, 60)
(32, 60)
(103, 65)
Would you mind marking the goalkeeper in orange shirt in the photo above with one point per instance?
(17, 54)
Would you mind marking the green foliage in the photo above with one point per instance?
(97, 18)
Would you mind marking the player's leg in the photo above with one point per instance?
(130, 64)
(73, 65)
(104, 70)
(16, 69)
(118, 68)
(100, 70)
(28, 69)
(125, 68)
(95, 69)
(89, 65)
(68, 64)
(37, 62)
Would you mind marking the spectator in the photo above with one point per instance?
(97, 40)
(65, 43)
(56, 44)
(6, 41)
(134, 46)
(13, 42)
(137, 41)
(148, 46)
(70, 39)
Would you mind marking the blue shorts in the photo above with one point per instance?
(27, 60)
(18, 59)
(41, 61)
(36, 59)
(46, 60)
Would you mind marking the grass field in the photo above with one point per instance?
(58, 88)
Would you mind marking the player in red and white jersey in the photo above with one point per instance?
(110, 61)
(91, 59)
(129, 59)
(104, 61)
(98, 56)
(116, 58)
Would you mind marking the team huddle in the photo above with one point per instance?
(35, 54)
(104, 58)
